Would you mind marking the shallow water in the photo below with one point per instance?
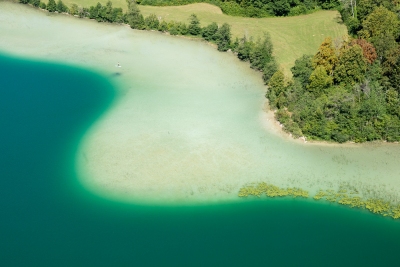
(49, 219)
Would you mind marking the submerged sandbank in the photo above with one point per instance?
(187, 127)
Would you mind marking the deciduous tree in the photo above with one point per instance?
(223, 37)
(351, 66)
(326, 56)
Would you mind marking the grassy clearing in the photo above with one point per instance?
(291, 36)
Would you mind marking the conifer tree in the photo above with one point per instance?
(194, 26)
(61, 8)
(261, 54)
(223, 37)
(208, 32)
(133, 16)
(51, 6)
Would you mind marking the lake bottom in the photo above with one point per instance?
(49, 219)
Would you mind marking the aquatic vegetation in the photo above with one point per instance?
(343, 196)
(272, 191)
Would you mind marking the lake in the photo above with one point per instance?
(52, 114)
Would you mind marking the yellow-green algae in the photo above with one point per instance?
(272, 191)
(341, 196)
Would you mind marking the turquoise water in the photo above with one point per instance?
(48, 219)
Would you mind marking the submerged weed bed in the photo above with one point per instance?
(342, 196)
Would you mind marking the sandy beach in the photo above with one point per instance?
(188, 125)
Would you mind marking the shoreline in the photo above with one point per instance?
(162, 144)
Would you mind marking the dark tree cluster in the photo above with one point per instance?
(259, 54)
(106, 13)
(257, 8)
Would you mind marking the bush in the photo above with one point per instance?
(298, 10)
(163, 26)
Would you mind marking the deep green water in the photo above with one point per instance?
(48, 219)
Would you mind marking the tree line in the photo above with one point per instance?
(348, 90)
(258, 53)
(257, 8)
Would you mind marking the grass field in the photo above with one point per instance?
(291, 36)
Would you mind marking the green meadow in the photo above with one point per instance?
(291, 36)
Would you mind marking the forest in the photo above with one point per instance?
(349, 90)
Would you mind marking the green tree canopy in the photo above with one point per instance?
(208, 32)
(194, 26)
(351, 66)
(152, 22)
(261, 53)
(381, 22)
(52, 6)
(133, 16)
(223, 37)
(302, 69)
(319, 81)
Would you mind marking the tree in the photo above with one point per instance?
(276, 84)
(24, 1)
(369, 51)
(61, 8)
(261, 54)
(245, 48)
(35, 3)
(74, 9)
(269, 69)
(133, 16)
(223, 37)
(281, 7)
(107, 12)
(52, 6)
(152, 22)
(351, 66)
(163, 26)
(95, 12)
(381, 22)
(302, 69)
(326, 56)
(391, 68)
(208, 32)
(319, 81)
(194, 26)
(393, 102)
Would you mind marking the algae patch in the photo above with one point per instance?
(342, 196)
